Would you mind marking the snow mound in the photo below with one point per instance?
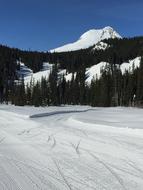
(89, 38)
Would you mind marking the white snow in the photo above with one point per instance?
(37, 76)
(69, 76)
(62, 72)
(75, 148)
(101, 46)
(45, 72)
(46, 66)
(129, 66)
(23, 70)
(89, 38)
(95, 71)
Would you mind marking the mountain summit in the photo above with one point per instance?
(89, 38)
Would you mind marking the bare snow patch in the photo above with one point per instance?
(101, 46)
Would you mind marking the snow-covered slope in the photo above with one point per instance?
(23, 71)
(90, 38)
(71, 148)
(95, 71)
(129, 66)
(45, 72)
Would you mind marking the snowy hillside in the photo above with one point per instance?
(90, 38)
(93, 72)
(96, 70)
(30, 76)
(71, 148)
(23, 71)
(129, 66)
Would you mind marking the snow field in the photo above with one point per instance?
(71, 147)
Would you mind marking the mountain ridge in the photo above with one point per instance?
(89, 38)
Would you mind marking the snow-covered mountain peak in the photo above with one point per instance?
(89, 38)
(107, 32)
(108, 28)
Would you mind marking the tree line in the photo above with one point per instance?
(112, 89)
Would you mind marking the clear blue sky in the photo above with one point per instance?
(46, 24)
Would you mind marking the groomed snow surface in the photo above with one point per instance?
(71, 148)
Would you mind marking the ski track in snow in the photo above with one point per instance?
(71, 148)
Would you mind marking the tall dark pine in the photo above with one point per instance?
(53, 80)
